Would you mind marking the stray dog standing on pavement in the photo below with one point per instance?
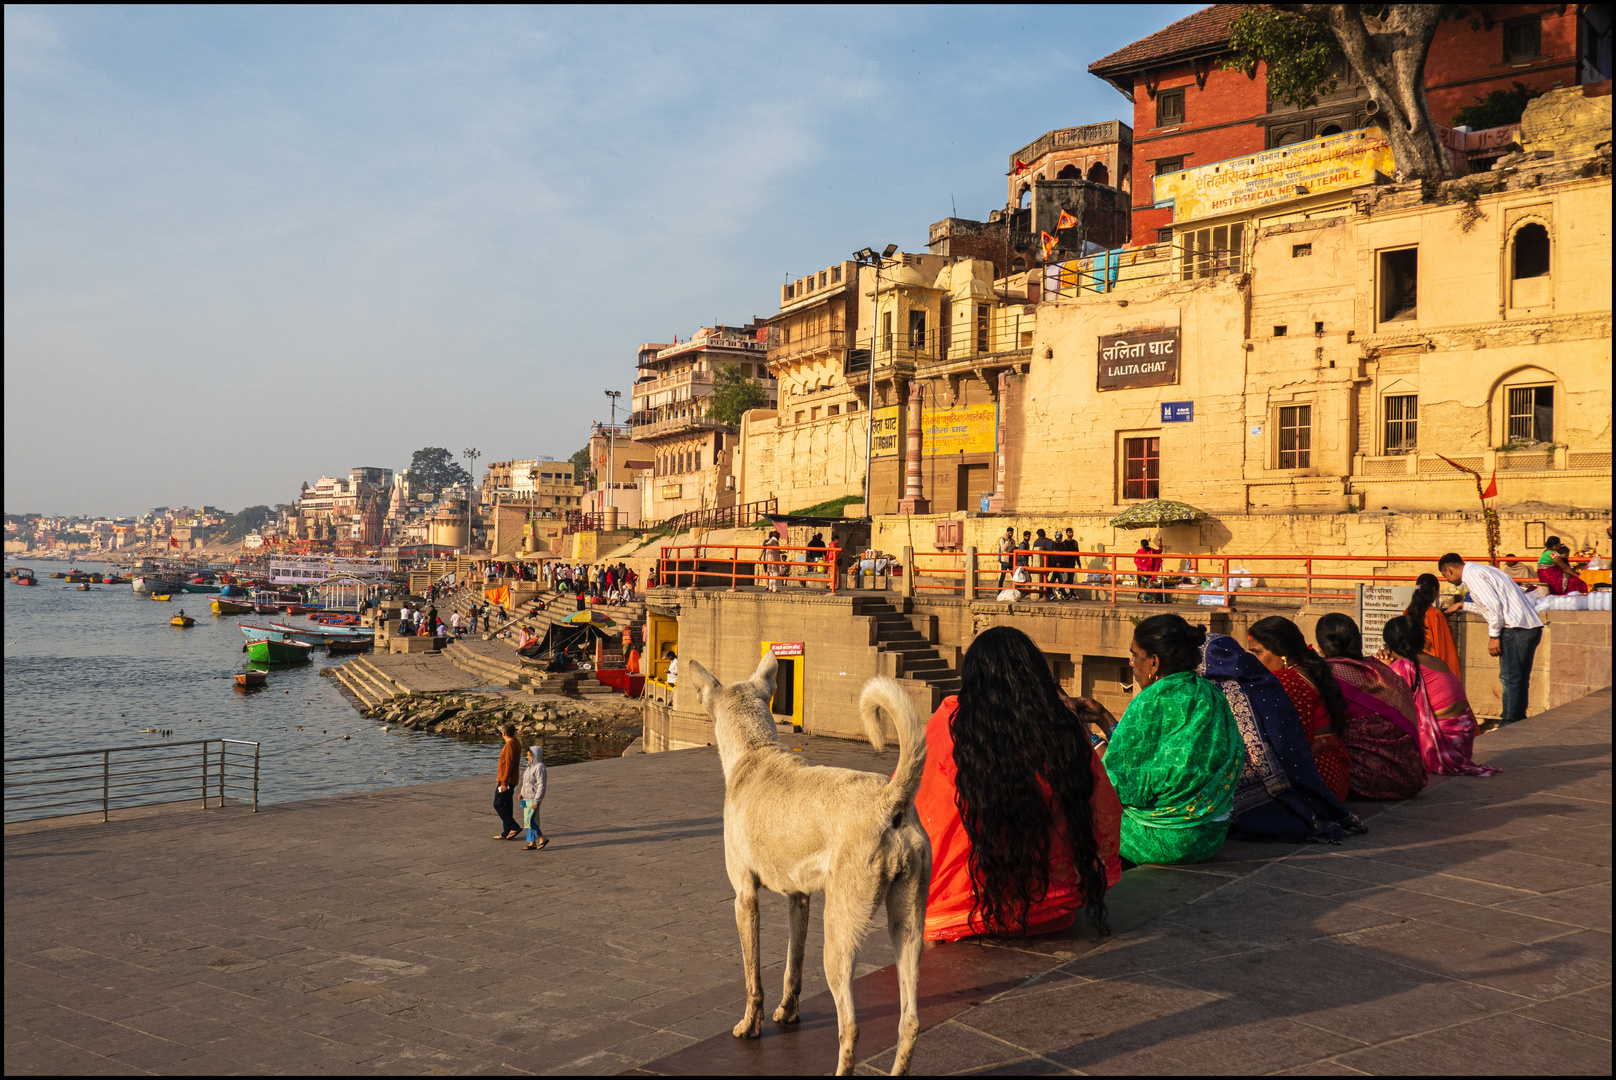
(801, 829)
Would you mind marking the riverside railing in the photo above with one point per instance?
(1108, 576)
(208, 771)
(698, 566)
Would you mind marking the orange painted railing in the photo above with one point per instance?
(730, 565)
(1108, 575)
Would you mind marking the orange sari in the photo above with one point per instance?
(950, 903)
(1439, 641)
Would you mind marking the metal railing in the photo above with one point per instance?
(41, 786)
(737, 516)
(1109, 576)
(697, 566)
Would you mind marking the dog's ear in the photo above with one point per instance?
(763, 677)
(706, 686)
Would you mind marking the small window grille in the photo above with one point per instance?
(1296, 437)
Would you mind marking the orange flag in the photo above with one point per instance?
(1047, 243)
(1021, 167)
(1492, 487)
(1066, 221)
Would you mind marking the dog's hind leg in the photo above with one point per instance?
(746, 921)
(787, 1012)
(906, 922)
(847, 916)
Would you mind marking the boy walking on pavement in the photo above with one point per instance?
(510, 767)
(534, 779)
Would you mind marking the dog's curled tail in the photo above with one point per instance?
(885, 693)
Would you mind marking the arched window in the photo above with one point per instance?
(1099, 174)
(1329, 129)
(1531, 251)
(1529, 267)
(1018, 263)
(1024, 196)
(1071, 172)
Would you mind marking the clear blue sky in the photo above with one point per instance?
(245, 246)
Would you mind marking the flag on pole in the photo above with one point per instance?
(1492, 487)
(1066, 221)
(1046, 242)
(173, 541)
(1021, 167)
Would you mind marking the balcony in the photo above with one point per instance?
(808, 345)
(652, 426)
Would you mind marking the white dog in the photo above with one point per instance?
(800, 829)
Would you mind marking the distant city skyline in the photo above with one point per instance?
(248, 246)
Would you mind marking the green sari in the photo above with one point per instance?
(1175, 758)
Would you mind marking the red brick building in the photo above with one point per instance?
(1189, 112)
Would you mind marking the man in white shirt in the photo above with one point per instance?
(1513, 627)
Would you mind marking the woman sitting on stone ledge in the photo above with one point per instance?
(1278, 643)
(1383, 735)
(1176, 754)
(1023, 821)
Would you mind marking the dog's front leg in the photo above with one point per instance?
(746, 921)
(787, 1012)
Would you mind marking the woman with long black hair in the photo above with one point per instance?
(1447, 726)
(1279, 645)
(1423, 609)
(1023, 821)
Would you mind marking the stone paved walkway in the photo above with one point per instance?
(388, 932)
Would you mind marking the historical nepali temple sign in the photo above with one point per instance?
(1139, 358)
(1332, 163)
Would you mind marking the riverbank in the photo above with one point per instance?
(388, 931)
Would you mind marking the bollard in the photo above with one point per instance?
(970, 573)
(909, 571)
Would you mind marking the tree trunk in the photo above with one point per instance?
(1389, 56)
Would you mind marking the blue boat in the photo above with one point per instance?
(320, 635)
(269, 633)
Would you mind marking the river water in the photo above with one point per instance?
(91, 670)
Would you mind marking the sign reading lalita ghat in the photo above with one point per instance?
(1139, 358)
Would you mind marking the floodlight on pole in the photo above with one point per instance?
(868, 257)
(611, 435)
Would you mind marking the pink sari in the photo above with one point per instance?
(1445, 742)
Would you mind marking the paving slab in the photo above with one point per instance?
(389, 932)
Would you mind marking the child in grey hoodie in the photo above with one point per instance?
(534, 778)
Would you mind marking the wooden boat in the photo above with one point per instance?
(84, 588)
(226, 607)
(160, 596)
(57, 574)
(266, 651)
(251, 678)
(339, 648)
(197, 587)
(21, 575)
(318, 634)
(182, 620)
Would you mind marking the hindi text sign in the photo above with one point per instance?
(1139, 358)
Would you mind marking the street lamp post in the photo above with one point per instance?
(869, 257)
(471, 454)
(611, 435)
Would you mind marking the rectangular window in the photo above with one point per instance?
(698, 461)
(1169, 165)
(1301, 251)
(835, 274)
(1522, 39)
(1164, 236)
(1209, 252)
(1402, 424)
(791, 291)
(1141, 468)
(981, 328)
(1399, 284)
(1531, 414)
(799, 416)
(822, 279)
(852, 406)
(917, 329)
(833, 410)
(1169, 108)
(886, 329)
(1296, 437)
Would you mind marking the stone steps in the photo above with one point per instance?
(355, 687)
(381, 684)
(915, 657)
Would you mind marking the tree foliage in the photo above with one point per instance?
(734, 394)
(581, 466)
(1497, 109)
(1384, 45)
(1303, 57)
(433, 469)
(250, 520)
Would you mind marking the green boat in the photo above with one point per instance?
(278, 652)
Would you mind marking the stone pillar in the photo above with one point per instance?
(913, 502)
(996, 500)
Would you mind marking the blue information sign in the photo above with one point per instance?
(1177, 412)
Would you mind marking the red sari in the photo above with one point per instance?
(1329, 752)
(950, 903)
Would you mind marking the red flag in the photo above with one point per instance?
(1047, 243)
(1492, 487)
(1021, 167)
(1066, 221)
(173, 541)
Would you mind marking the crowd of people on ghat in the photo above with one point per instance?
(1036, 802)
(609, 584)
